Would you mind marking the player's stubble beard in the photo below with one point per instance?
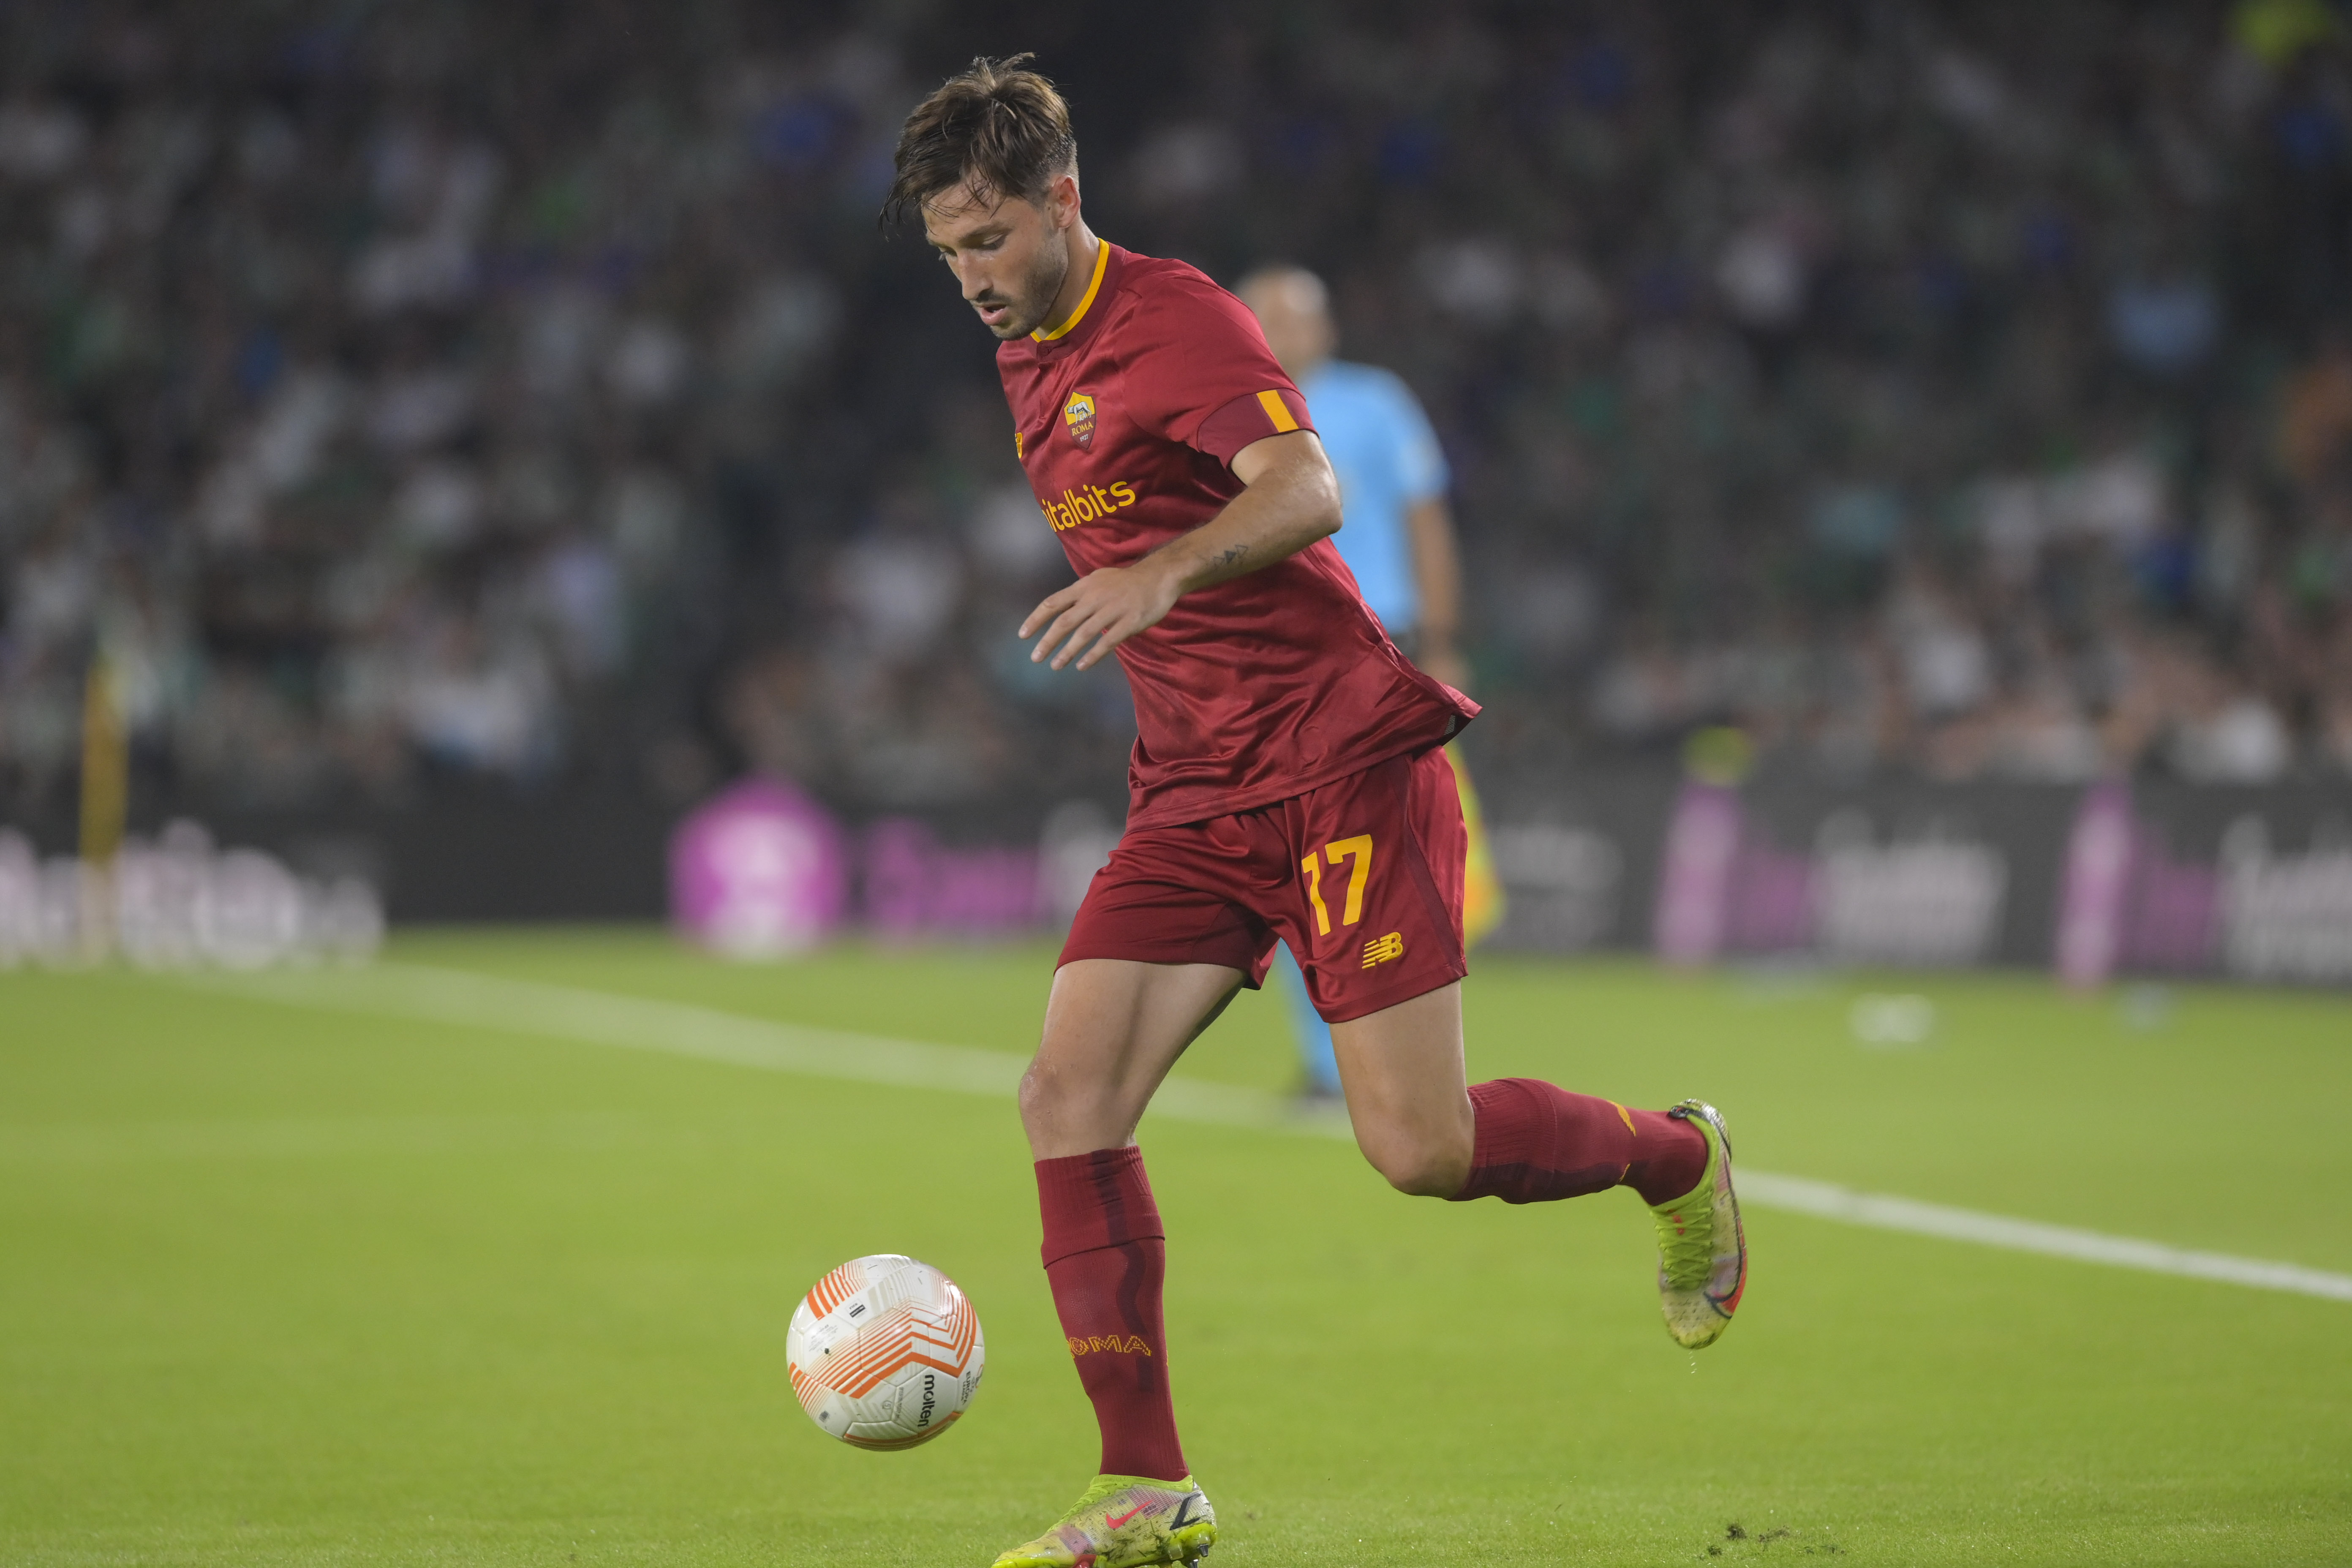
(1039, 288)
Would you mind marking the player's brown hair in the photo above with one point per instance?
(997, 127)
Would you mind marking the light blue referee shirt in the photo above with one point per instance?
(1388, 461)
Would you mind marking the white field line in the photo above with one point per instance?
(1826, 1201)
(677, 1028)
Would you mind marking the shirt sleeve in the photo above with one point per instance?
(1202, 374)
(1422, 473)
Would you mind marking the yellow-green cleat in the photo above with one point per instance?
(1702, 1251)
(1124, 1521)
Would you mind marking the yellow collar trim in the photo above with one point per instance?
(1094, 287)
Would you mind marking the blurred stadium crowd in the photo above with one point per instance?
(524, 390)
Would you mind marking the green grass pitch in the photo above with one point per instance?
(280, 1286)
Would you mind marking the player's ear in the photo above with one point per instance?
(1062, 200)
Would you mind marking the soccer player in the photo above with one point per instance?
(1399, 546)
(1287, 785)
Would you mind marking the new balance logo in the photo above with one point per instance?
(1110, 1344)
(1381, 948)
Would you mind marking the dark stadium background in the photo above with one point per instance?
(479, 431)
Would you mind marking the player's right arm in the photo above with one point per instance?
(1290, 498)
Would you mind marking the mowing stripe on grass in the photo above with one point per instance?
(677, 1028)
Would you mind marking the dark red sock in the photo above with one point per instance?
(1106, 1260)
(1536, 1143)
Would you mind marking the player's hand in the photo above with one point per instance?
(1099, 611)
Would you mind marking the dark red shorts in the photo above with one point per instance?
(1362, 877)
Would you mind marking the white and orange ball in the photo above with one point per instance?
(885, 1353)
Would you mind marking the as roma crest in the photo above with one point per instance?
(1078, 414)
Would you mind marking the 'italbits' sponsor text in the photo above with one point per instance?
(1086, 503)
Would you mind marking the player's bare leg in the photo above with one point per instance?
(1113, 1028)
(1402, 1073)
(1524, 1140)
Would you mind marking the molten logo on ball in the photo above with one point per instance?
(885, 1353)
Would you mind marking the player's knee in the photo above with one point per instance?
(1422, 1168)
(1062, 1108)
(1044, 1095)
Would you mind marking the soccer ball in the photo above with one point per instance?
(885, 1353)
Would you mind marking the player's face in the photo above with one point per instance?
(1010, 256)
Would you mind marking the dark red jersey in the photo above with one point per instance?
(1252, 690)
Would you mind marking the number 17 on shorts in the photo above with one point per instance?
(1383, 920)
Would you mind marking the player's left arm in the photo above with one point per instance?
(1290, 498)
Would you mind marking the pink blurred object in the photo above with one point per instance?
(1772, 899)
(758, 871)
(915, 887)
(2091, 901)
(2172, 915)
(1695, 887)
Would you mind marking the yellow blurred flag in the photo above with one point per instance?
(105, 765)
(1482, 891)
